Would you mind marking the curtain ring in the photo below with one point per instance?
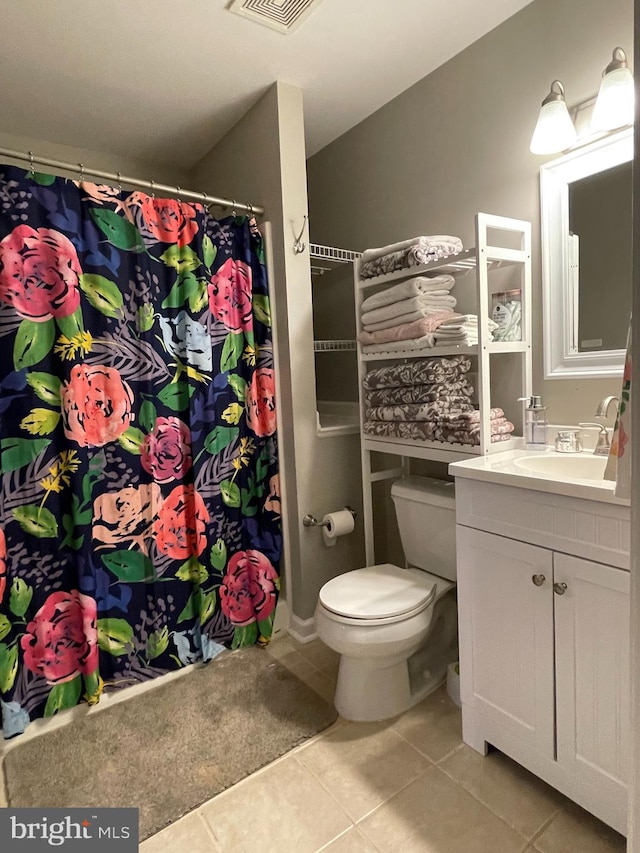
(31, 169)
(81, 172)
(234, 212)
(250, 213)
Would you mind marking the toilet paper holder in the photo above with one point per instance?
(311, 521)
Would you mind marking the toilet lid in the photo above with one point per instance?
(378, 592)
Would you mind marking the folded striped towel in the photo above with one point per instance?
(435, 301)
(420, 371)
(433, 411)
(472, 417)
(418, 286)
(414, 257)
(455, 390)
(434, 241)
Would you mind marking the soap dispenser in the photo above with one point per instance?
(535, 423)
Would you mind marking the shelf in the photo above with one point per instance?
(336, 417)
(437, 451)
(453, 265)
(329, 257)
(428, 352)
(334, 346)
(425, 352)
(508, 346)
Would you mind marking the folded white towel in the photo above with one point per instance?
(453, 332)
(425, 342)
(403, 319)
(466, 321)
(418, 286)
(458, 341)
(424, 242)
(437, 300)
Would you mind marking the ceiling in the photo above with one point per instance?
(163, 81)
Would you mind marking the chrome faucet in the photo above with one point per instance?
(603, 406)
(604, 442)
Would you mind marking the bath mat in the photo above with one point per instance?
(171, 749)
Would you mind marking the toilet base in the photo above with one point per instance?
(377, 688)
(367, 691)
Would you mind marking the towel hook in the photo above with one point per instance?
(298, 245)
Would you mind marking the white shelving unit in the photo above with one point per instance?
(485, 258)
(325, 258)
(333, 418)
(334, 346)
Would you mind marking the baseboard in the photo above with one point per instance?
(302, 630)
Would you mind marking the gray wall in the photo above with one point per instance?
(458, 142)
(102, 160)
(262, 160)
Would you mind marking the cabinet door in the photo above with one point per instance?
(592, 669)
(505, 610)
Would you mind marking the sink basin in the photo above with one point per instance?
(581, 466)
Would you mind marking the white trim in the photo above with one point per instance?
(285, 561)
(302, 630)
(561, 358)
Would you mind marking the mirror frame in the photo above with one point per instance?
(562, 359)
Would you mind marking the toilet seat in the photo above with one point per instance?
(379, 593)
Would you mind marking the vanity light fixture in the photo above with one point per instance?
(554, 131)
(613, 109)
(615, 102)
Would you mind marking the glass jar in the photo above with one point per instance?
(506, 311)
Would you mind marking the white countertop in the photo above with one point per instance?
(502, 468)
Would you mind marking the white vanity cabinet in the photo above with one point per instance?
(593, 704)
(544, 638)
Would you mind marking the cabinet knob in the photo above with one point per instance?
(538, 579)
(559, 588)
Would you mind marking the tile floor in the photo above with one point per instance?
(408, 784)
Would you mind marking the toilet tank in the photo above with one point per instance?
(426, 513)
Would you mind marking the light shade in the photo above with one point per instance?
(554, 131)
(615, 103)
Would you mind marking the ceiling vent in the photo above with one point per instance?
(285, 16)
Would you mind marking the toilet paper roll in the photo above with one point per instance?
(339, 523)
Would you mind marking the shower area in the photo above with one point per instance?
(153, 496)
(140, 503)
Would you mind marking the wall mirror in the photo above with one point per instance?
(586, 210)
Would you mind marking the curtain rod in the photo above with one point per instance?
(203, 198)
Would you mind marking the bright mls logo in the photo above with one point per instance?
(70, 830)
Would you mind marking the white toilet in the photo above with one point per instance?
(396, 629)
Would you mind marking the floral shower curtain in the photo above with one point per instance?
(139, 509)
